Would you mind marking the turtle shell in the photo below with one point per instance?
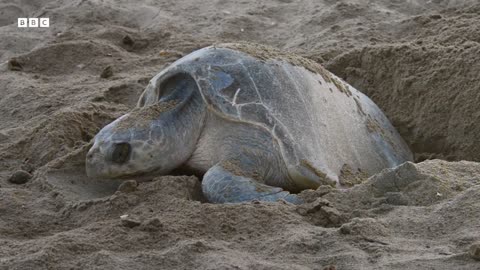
(321, 123)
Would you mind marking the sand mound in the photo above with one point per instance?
(434, 105)
(427, 82)
(60, 85)
(383, 222)
(65, 58)
(55, 136)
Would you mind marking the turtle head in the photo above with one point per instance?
(156, 137)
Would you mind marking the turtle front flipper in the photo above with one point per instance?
(220, 185)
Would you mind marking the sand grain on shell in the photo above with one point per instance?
(142, 117)
(265, 53)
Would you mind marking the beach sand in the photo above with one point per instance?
(418, 60)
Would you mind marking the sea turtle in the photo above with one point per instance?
(256, 123)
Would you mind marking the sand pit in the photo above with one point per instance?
(418, 60)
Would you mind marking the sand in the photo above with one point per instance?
(418, 60)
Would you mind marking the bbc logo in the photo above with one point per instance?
(33, 22)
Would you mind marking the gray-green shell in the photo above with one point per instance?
(319, 121)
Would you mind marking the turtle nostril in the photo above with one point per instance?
(91, 153)
(120, 153)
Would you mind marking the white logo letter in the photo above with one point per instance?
(32, 22)
(44, 22)
(22, 22)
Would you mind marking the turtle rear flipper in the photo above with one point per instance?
(219, 185)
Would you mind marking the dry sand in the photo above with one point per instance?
(419, 60)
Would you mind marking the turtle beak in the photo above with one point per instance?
(92, 163)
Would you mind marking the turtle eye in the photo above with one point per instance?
(120, 153)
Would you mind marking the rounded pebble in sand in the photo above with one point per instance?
(130, 223)
(20, 177)
(475, 251)
(107, 72)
